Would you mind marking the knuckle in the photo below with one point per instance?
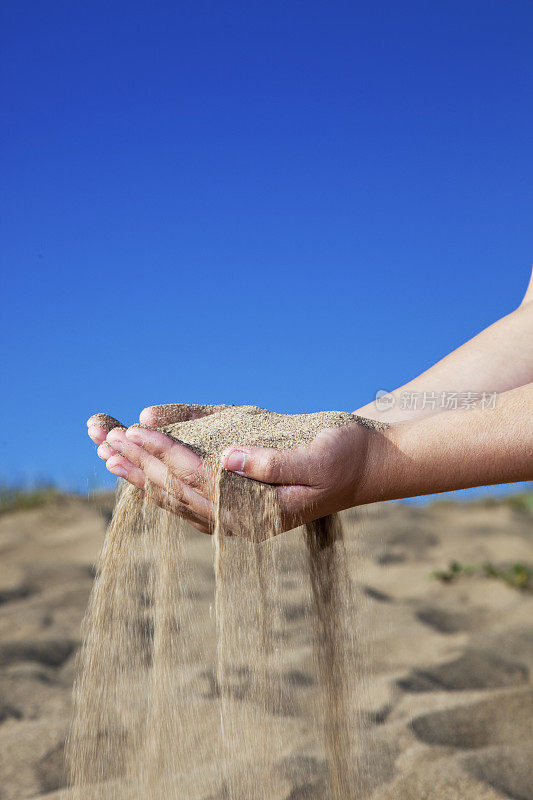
(162, 451)
(177, 490)
(271, 468)
(170, 452)
(191, 477)
(142, 458)
(178, 493)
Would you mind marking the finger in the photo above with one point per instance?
(167, 501)
(182, 499)
(179, 481)
(158, 472)
(104, 421)
(97, 433)
(98, 426)
(268, 465)
(157, 416)
(122, 468)
(105, 451)
(184, 463)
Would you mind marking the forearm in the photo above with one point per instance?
(498, 359)
(453, 450)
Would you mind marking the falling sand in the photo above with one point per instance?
(140, 728)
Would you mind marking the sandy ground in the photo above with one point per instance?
(451, 695)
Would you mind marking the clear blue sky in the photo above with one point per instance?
(290, 204)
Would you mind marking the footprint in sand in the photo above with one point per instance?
(9, 711)
(405, 542)
(451, 620)
(517, 640)
(504, 718)
(506, 769)
(49, 652)
(475, 669)
(51, 769)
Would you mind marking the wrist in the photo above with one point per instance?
(381, 475)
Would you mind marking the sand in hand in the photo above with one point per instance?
(140, 704)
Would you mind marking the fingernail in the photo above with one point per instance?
(134, 437)
(120, 472)
(235, 461)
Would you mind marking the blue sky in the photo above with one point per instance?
(290, 204)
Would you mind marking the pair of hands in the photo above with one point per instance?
(311, 482)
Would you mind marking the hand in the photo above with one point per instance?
(312, 481)
(100, 425)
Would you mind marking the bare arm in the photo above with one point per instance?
(454, 450)
(496, 360)
(417, 453)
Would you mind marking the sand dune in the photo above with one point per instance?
(451, 699)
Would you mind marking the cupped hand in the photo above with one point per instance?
(311, 481)
(110, 449)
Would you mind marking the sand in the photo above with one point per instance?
(133, 699)
(449, 696)
(250, 425)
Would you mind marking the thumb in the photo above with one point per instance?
(267, 465)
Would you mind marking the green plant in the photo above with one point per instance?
(18, 499)
(520, 502)
(517, 576)
(455, 568)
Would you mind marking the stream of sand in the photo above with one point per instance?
(138, 729)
